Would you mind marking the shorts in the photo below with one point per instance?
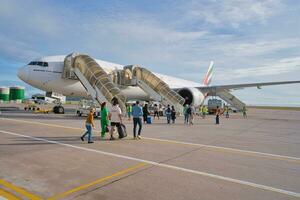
(117, 124)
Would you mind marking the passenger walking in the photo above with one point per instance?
(191, 114)
(129, 111)
(186, 115)
(115, 115)
(137, 113)
(145, 113)
(244, 112)
(168, 114)
(218, 112)
(227, 112)
(156, 113)
(89, 124)
(104, 120)
(173, 114)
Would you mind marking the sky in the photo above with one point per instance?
(249, 40)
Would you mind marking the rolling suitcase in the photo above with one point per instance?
(122, 131)
(149, 120)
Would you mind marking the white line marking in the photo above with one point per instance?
(226, 148)
(177, 142)
(241, 182)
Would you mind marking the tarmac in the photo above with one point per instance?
(42, 157)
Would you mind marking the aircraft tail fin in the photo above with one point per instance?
(209, 73)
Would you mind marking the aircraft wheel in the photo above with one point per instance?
(61, 110)
(58, 110)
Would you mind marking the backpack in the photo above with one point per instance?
(189, 110)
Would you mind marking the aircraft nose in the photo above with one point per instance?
(23, 73)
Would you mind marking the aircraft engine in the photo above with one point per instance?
(192, 96)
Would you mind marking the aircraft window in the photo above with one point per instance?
(42, 64)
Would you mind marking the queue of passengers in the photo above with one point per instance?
(113, 118)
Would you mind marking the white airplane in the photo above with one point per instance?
(46, 74)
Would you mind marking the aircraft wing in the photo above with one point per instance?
(219, 88)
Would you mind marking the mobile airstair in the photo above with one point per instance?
(231, 99)
(156, 88)
(93, 77)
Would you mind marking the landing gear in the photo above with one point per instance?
(58, 109)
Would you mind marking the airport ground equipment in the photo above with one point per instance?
(43, 110)
(104, 87)
(85, 106)
(232, 100)
(58, 108)
(93, 77)
(157, 89)
(212, 105)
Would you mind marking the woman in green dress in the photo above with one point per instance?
(104, 119)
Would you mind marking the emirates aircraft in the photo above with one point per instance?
(46, 74)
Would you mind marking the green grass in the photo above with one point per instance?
(276, 108)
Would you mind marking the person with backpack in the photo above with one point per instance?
(89, 124)
(173, 114)
(137, 113)
(168, 114)
(115, 115)
(104, 120)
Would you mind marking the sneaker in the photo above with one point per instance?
(82, 139)
(90, 142)
(112, 138)
(139, 137)
(134, 138)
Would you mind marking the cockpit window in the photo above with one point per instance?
(39, 63)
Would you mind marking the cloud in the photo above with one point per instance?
(232, 12)
(287, 65)
(178, 38)
(16, 50)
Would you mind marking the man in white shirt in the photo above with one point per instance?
(115, 115)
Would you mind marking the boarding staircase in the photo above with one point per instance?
(231, 99)
(104, 87)
(94, 79)
(156, 88)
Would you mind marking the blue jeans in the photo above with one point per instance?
(137, 121)
(88, 132)
(186, 118)
(168, 118)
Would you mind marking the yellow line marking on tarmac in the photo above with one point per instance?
(219, 148)
(215, 176)
(19, 190)
(82, 187)
(7, 195)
